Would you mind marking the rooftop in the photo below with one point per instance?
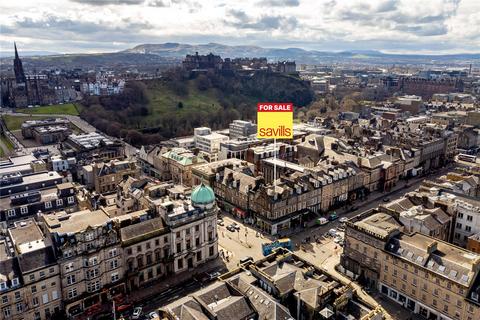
(61, 222)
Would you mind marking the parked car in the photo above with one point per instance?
(387, 199)
(353, 208)
(322, 221)
(220, 222)
(153, 316)
(333, 217)
(137, 313)
(214, 275)
(235, 226)
(246, 259)
(332, 232)
(231, 228)
(337, 239)
(343, 219)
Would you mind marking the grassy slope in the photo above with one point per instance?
(68, 109)
(164, 101)
(7, 142)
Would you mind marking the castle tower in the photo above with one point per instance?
(18, 67)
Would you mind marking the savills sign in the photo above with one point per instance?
(274, 120)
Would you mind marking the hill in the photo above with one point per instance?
(152, 110)
(158, 55)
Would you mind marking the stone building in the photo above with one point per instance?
(89, 253)
(427, 276)
(30, 283)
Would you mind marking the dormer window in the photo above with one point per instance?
(15, 282)
(3, 286)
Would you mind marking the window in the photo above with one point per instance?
(17, 295)
(59, 202)
(72, 293)
(180, 263)
(34, 289)
(148, 245)
(469, 218)
(45, 298)
(197, 228)
(447, 297)
(19, 307)
(445, 308)
(114, 264)
(23, 210)
(149, 258)
(177, 234)
(187, 231)
(89, 236)
(7, 312)
(11, 213)
(15, 282)
(70, 200)
(54, 295)
(179, 247)
(435, 292)
(35, 301)
(69, 267)
(112, 253)
(460, 216)
(394, 272)
(51, 270)
(71, 279)
(4, 299)
(199, 255)
(165, 239)
(459, 225)
(468, 228)
(32, 277)
(210, 251)
(93, 286)
(415, 282)
(139, 248)
(3, 286)
(48, 205)
(114, 277)
(140, 262)
(157, 242)
(93, 273)
(197, 241)
(42, 274)
(36, 316)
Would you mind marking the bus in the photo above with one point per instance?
(467, 157)
(286, 243)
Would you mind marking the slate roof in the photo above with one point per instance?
(38, 259)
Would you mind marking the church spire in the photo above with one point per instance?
(16, 51)
(18, 67)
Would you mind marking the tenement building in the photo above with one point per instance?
(30, 285)
(89, 258)
(427, 276)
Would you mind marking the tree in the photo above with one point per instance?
(203, 83)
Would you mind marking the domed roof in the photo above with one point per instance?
(202, 194)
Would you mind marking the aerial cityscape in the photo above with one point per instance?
(240, 160)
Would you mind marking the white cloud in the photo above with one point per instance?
(389, 25)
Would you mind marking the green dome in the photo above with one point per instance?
(203, 194)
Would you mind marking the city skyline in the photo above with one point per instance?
(86, 26)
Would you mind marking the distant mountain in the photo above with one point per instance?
(179, 50)
(7, 54)
(148, 56)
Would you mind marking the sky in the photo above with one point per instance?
(396, 26)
